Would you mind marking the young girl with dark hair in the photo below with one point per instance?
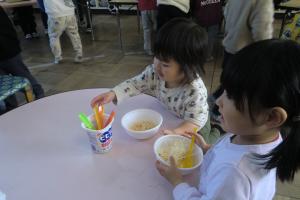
(261, 98)
(174, 77)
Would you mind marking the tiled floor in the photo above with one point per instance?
(105, 65)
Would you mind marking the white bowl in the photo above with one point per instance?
(168, 142)
(139, 115)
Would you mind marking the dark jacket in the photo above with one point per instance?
(9, 42)
(207, 12)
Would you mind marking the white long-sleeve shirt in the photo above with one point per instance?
(247, 21)
(183, 5)
(59, 8)
(187, 102)
(2, 196)
(229, 171)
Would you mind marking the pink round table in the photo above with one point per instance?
(46, 155)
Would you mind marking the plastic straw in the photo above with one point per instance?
(97, 117)
(110, 118)
(188, 161)
(101, 116)
(85, 120)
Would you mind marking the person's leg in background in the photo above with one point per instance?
(72, 32)
(44, 16)
(79, 12)
(149, 26)
(82, 9)
(212, 32)
(86, 13)
(16, 67)
(56, 27)
(153, 17)
(162, 15)
(27, 21)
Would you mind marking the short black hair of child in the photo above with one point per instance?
(184, 41)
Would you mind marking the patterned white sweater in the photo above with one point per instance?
(188, 102)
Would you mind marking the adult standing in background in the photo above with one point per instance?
(208, 14)
(169, 9)
(149, 14)
(26, 20)
(10, 54)
(246, 21)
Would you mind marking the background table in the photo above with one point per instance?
(45, 154)
(17, 4)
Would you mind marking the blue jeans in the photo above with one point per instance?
(149, 28)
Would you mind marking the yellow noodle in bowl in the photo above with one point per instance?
(142, 125)
(177, 146)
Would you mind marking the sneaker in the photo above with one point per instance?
(57, 60)
(35, 35)
(88, 30)
(78, 59)
(113, 9)
(28, 36)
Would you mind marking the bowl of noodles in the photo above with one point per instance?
(142, 123)
(177, 146)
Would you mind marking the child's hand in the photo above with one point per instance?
(169, 132)
(199, 140)
(170, 173)
(104, 98)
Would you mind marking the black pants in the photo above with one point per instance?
(26, 19)
(44, 15)
(83, 11)
(16, 67)
(167, 12)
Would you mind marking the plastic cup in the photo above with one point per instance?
(100, 140)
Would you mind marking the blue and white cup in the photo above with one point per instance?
(100, 140)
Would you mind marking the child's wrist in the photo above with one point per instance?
(177, 182)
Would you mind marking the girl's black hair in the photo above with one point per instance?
(184, 41)
(263, 75)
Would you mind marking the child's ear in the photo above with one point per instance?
(276, 117)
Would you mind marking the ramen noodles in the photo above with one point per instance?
(175, 148)
(142, 125)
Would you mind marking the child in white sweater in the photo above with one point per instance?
(174, 77)
(61, 17)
